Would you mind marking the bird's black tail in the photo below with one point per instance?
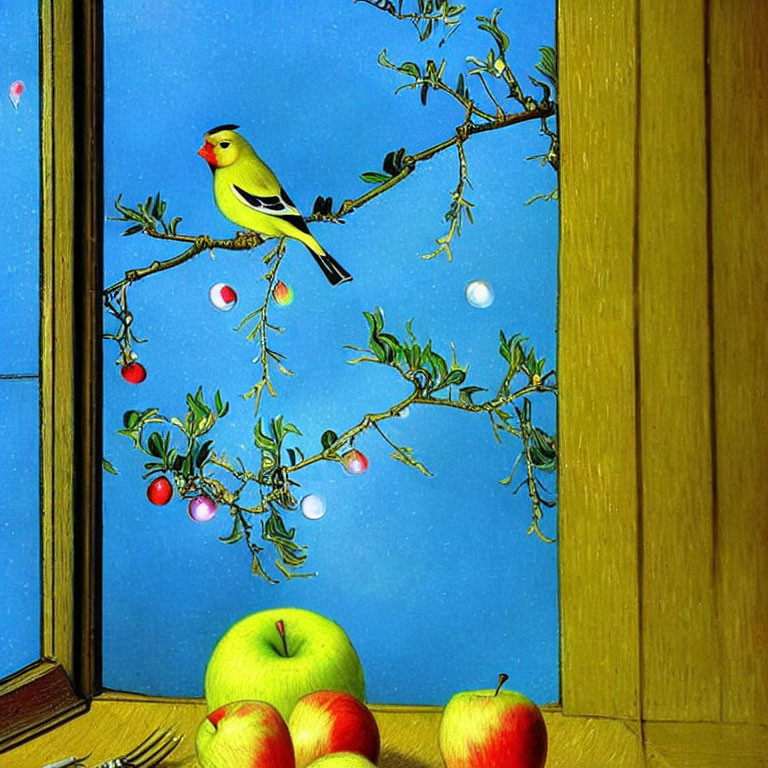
(333, 271)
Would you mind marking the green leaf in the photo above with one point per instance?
(548, 64)
(197, 407)
(404, 454)
(292, 428)
(107, 467)
(410, 68)
(158, 207)
(135, 229)
(236, 534)
(263, 441)
(155, 444)
(389, 164)
(455, 376)
(131, 419)
(173, 224)
(328, 438)
(374, 177)
(258, 570)
(466, 394)
(461, 88)
(203, 453)
(492, 27)
(186, 465)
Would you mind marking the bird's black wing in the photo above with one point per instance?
(280, 206)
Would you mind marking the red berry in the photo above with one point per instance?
(354, 462)
(228, 294)
(133, 373)
(282, 293)
(160, 490)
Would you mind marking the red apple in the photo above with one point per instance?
(133, 373)
(160, 490)
(324, 722)
(244, 734)
(492, 729)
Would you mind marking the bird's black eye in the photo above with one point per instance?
(223, 144)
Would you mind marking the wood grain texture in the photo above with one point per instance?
(739, 184)
(679, 640)
(40, 693)
(409, 736)
(596, 359)
(57, 337)
(706, 745)
(87, 366)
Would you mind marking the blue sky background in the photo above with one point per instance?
(19, 324)
(433, 578)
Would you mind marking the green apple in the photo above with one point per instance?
(243, 734)
(492, 729)
(342, 760)
(280, 655)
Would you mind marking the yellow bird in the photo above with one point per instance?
(249, 194)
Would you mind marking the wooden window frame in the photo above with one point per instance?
(644, 543)
(60, 684)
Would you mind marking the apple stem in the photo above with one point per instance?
(281, 629)
(502, 679)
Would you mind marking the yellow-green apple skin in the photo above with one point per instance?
(342, 760)
(325, 722)
(481, 730)
(249, 661)
(244, 734)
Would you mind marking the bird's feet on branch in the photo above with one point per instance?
(246, 239)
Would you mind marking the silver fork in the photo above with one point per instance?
(152, 751)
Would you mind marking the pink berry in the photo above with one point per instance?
(160, 491)
(14, 93)
(133, 373)
(354, 462)
(202, 509)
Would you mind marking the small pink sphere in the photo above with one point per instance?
(14, 93)
(202, 509)
(354, 462)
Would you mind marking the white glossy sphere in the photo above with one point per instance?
(479, 294)
(222, 296)
(313, 506)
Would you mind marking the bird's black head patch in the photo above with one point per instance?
(227, 127)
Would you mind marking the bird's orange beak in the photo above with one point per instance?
(206, 152)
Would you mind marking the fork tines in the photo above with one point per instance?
(153, 750)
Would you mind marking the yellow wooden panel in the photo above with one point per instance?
(706, 745)
(57, 334)
(680, 673)
(739, 168)
(596, 361)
